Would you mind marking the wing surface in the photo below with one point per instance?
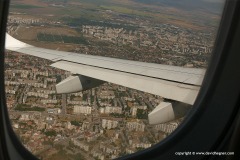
(172, 82)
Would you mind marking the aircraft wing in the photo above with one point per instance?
(172, 82)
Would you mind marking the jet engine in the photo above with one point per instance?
(77, 83)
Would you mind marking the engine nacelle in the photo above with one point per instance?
(77, 83)
(161, 114)
(166, 112)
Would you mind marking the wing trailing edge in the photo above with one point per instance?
(172, 82)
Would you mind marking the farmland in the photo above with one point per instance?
(24, 6)
(44, 37)
(106, 10)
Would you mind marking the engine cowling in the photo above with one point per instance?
(161, 114)
(166, 112)
(77, 83)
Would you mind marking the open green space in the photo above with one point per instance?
(44, 37)
(23, 6)
(78, 22)
(23, 107)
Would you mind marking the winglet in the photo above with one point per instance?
(11, 43)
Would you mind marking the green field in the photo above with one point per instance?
(23, 6)
(43, 37)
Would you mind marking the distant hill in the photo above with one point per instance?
(214, 6)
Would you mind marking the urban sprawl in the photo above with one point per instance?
(107, 121)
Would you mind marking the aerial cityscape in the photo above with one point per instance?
(110, 120)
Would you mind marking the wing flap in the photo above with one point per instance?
(167, 89)
(172, 82)
(192, 76)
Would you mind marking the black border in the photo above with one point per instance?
(210, 124)
(11, 147)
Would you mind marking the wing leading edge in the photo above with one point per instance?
(172, 82)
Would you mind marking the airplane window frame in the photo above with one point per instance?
(221, 78)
